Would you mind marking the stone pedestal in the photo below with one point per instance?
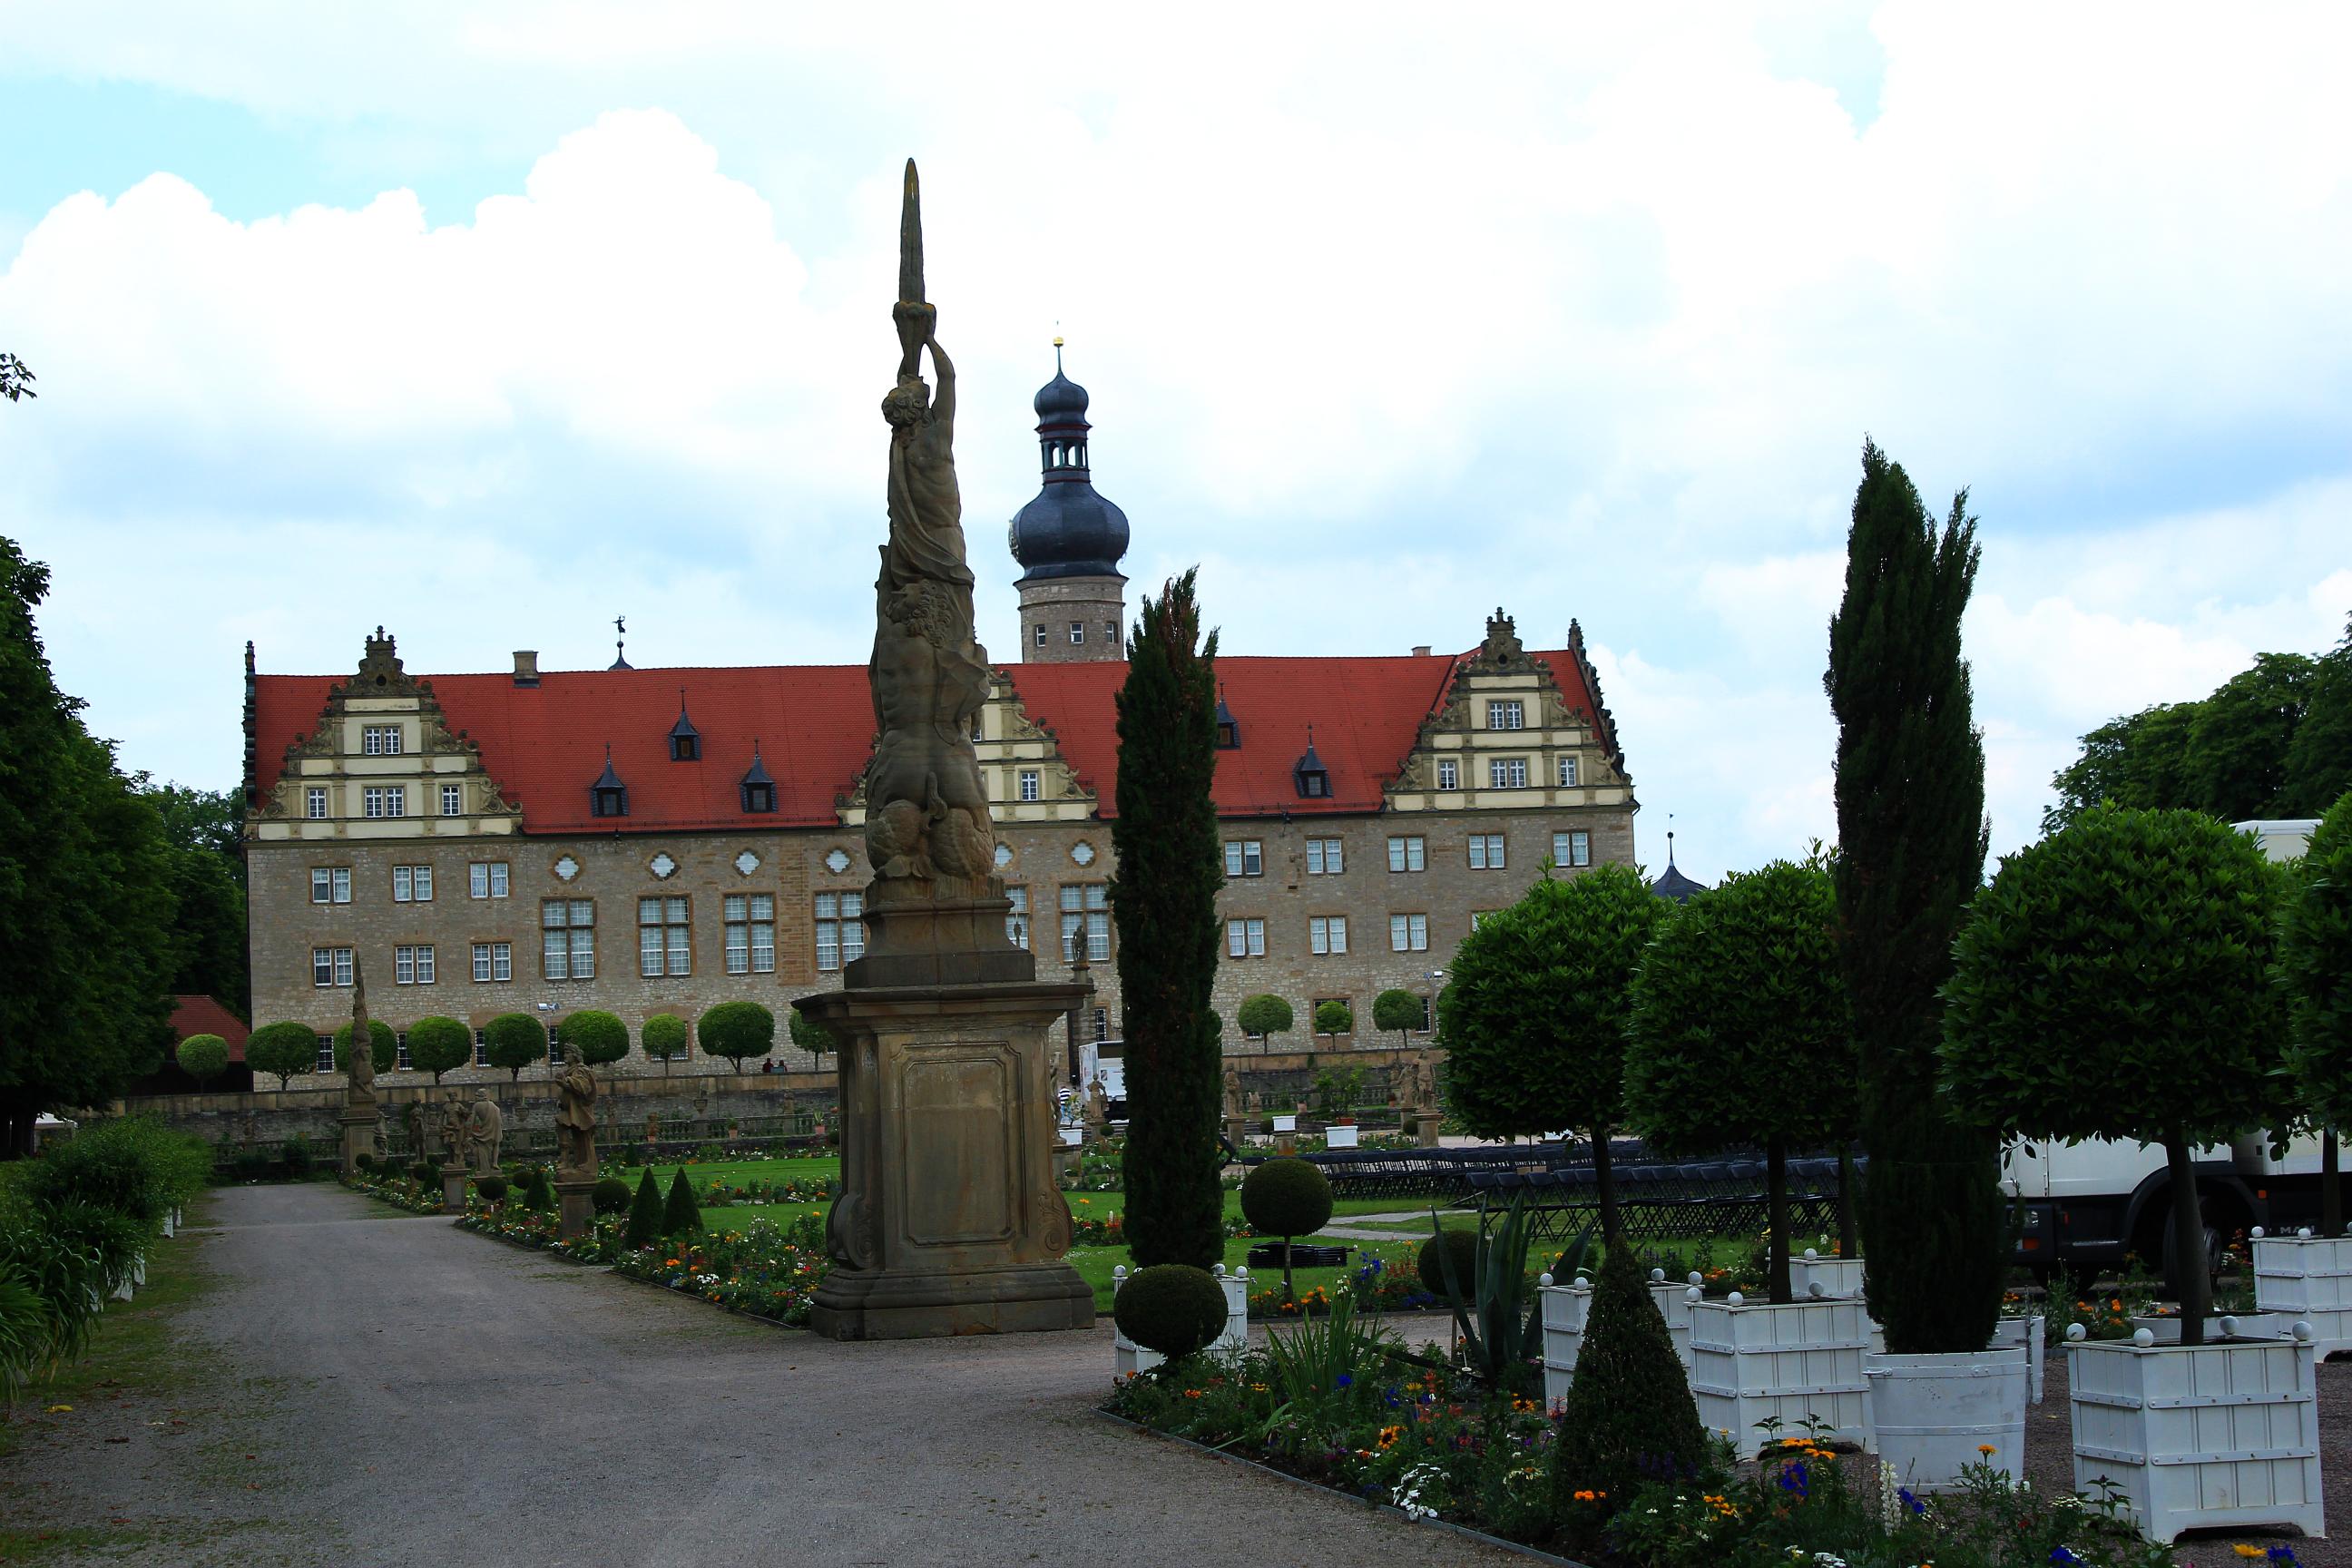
(949, 1221)
(1237, 1130)
(576, 1206)
(1425, 1126)
(453, 1189)
(358, 1123)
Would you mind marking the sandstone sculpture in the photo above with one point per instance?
(575, 1119)
(484, 1128)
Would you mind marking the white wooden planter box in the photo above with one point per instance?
(1130, 1358)
(1341, 1137)
(1752, 1362)
(2026, 1332)
(2218, 1326)
(1287, 1122)
(1933, 1414)
(1835, 1275)
(2216, 1435)
(2307, 1278)
(1567, 1307)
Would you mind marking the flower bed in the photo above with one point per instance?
(767, 1271)
(400, 1192)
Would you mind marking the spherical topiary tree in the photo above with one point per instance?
(737, 1030)
(1430, 1264)
(514, 1041)
(601, 1035)
(282, 1050)
(1287, 1198)
(1398, 1013)
(1740, 1032)
(1629, 1417)
(1334, 1018)
(644, 1226)
(363, 1160)
(1264, 1015)
(2315, 960)
(1171, 1308)
(493, 1188)
(422, 1171)
(2113, 981)
(385, 1042)
(666, 1039)
(438, 1045)
(681, 1215)
(1534, 1018)
(610, 1195)
(203, 1057)
(811, 1036)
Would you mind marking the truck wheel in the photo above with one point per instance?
(2174, 1280)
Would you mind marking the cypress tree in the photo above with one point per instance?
(682, 1216)
(645, 1213)
(1912, 835)
(1629, 1417)
(1164, 900)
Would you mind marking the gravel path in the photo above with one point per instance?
(415, 1394)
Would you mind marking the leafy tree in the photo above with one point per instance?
(1629, 1418)
(1334, 1018)
(811, 1036)
(736, 1030)
(1264, 1015)
(514, 1041)
(2141, 761)
(1534, 1016)
(1911, 847)
(666, 1039)
(15, 379)
(2238, 746)
(202, 835)
(1397, 1013)
(2319, 759)
(438, 1045)
(383, 1040)
(2113, 981)
(1163, 897)
(203, 1058)
(2315, 960)
(601, 1035)
(282, 1050)
(1740, 1029)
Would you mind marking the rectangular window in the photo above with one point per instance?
(400, 1052)
(1506, 772)
(412, 884)
(493, 961)
(331, 884)
(331, 966)
(481, 1048)
(663, 944)
(1041, 633)
(453, 800)
(1449, 774)
(380, 740)
(315, 801)
(384, 800)
(1016, 918)
(1568, 773)
(325, 1061)
(486, 879)
(1485, 852)
(840, 929)
(1077, 633)
(1032, 784)
(1326, 934)
(751, 934)
(1102, 1024)
(555, 1044)
(1502, 715)
(1325, 857)
(1244, 858)
(1408, 854)
(1408, 933)
(568, 939)
(1245, 939)
(412, 966)
(1571, 849)
(1086, 906)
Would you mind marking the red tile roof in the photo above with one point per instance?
(203, 1015)
(814, 725)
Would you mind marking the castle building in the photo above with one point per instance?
(647, 840)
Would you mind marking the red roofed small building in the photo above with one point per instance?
(659, 840)
(203, 1015)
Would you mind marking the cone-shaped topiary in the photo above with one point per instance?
(1629, 1417)
(1171, 1308)
(645, 1214)
(1431, 1267)
(681, 1215)
(536, 1193)
(1287, 1197)
(611, 1195)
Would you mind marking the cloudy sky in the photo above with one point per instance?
(491, 322)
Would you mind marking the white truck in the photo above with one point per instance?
(2083, 1208)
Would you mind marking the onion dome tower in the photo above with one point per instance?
(1068, 541)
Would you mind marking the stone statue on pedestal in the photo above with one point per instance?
(575, 1119)
(1097, 1113)
(359, 1064)
(484, 1128)
(453, 1128)
(1232, 1089)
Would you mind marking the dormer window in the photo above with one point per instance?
(759, 789)
(1229, 729)
(608, 796)
(1313, 779)
(685, 740)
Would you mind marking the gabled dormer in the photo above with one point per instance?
(759, 789)
(685, 740)
(1229, 729)
(1309, 775)
(608, 796)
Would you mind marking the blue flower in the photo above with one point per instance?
(1912, 1503)
(1344, 1381)
(1794, 1477)
(2282, 1555)
(1388, 1397)
(2062, 1557)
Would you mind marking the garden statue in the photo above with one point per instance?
(1098, 1106)
(1424, 1081)
(454, 1128)
(1232, 1089)
(359, 1064)
(652, 1128)
(484, 1128)
(575, 1119)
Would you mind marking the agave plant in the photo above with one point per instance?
(1496, 1310)
(1322, 1356)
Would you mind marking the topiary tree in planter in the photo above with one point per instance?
(1288, 1198)
(666, 1039)
(203, 1057)
(1911, 850)
(737, 1030)
(1740, 1032)
(1629, 1417)
(601, 1035)
(1171, 1308)
(1534, 1017)
(1261, 1015)
(282, 1050)
(681, 1215)
(2113, 981)
(514, 1041)
(644, 1226)
(384, 1042)
(1398, 1013)
(438, 1045)
(2315, 961)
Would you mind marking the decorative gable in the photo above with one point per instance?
(1009, 744)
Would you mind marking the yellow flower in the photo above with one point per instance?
(2250, 1553)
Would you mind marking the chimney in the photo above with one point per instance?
(1420, 650)
(526, 669)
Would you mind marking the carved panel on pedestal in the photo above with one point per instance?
(957, 1155)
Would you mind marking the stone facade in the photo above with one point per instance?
(1067, 619)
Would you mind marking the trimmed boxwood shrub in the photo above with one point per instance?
(363, 1160)
(432, 1176)
(1629, 1417)
(422, 1171)
(645, 1214)
(1431, 1265)
(203, 1057)
(1171, 1308)
(536, 1193)
(493, 1188)
(1288, 1198)
(681, 1215)
(611, 1195)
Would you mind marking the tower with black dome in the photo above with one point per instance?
(1068, 541)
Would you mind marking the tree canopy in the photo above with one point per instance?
(282, 1049)
(438, 1045)
(1398, 1012)
(601, 1035)
(1263, 1015)
(2314, 959)
(737, 1030)
(514, 1041)
(383, 1040)
(203, 1057)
